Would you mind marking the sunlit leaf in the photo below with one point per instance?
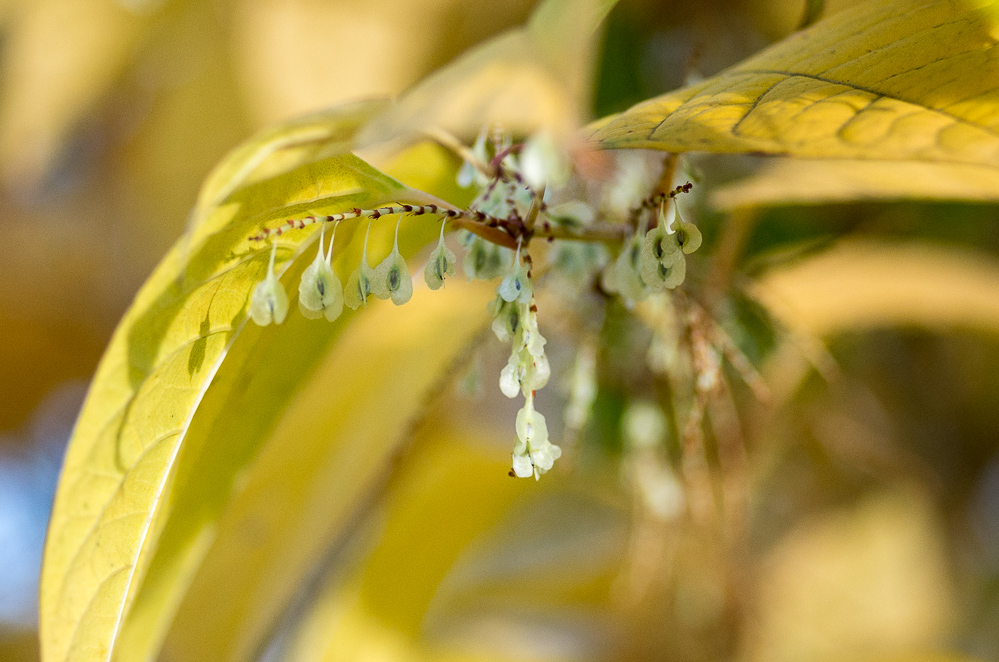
(322, 458)
(882, 572)
(863, 285)
(905, 79)
(530, 77)
(154, 374)
(47, 89)
(796, 182)
(485, 579)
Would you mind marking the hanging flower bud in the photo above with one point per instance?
(662, 263)
(320, 292)
(524, 372)
(392, 279)
(516, 286)
(441, 263)
(533, 454)
(359, 284)
(506, 318)
(687, 237)
(624, 274)
(484, 260)
(269, 301)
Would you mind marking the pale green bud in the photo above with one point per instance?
(516, 286)
(662, 263)
(320, 292)
(269, 301)
(533, 454)
(358, 287)
(440, 264)
(392, 279)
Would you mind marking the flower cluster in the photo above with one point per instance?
(653, 260)
(523, 191)
(515, 320)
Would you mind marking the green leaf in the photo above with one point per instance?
(899, 80)
(162, 359)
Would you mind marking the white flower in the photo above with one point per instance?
(359, 284)
(440, 264)
(516, 286)
(269, 301)
(533, 454)
(484, 260)
(392, 279)
(320, 292)
(624, 274)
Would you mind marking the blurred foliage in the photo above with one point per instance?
(317, 527)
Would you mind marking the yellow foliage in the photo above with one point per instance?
(895, 80)
(160, 362)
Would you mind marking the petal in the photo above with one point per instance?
(509, 383)
(522, 466)
(269, 302)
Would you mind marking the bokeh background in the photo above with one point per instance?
(874, 528)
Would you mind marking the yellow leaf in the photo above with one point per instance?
(530, 77)
(61, 57)
(320, 462)
(863, 285)
(155, 372)
(866, 583)
(796, 182)
(893, 80)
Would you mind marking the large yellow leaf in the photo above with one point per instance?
(890, 80)
(797, 182)
(320, 464)
(46, 89)
(534, 76)
(158, 366)
(864, 284)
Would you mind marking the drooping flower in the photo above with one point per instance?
(662, 262)
(440, 264)
(392, 279)
(516, 286)
(506, 318)
(624, 274)
(533, 454)
(528, 368)
(687, 236)
(483, 260)
(320, 292)
(359, 284)
(269, 301)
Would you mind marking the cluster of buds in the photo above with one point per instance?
(654, 260)
(513, 185)
(320, 293)
(515, 320)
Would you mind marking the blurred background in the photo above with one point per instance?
(874, 502)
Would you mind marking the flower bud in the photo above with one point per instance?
(269, 301)
(440, 264)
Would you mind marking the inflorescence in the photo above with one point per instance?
(525, 191)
